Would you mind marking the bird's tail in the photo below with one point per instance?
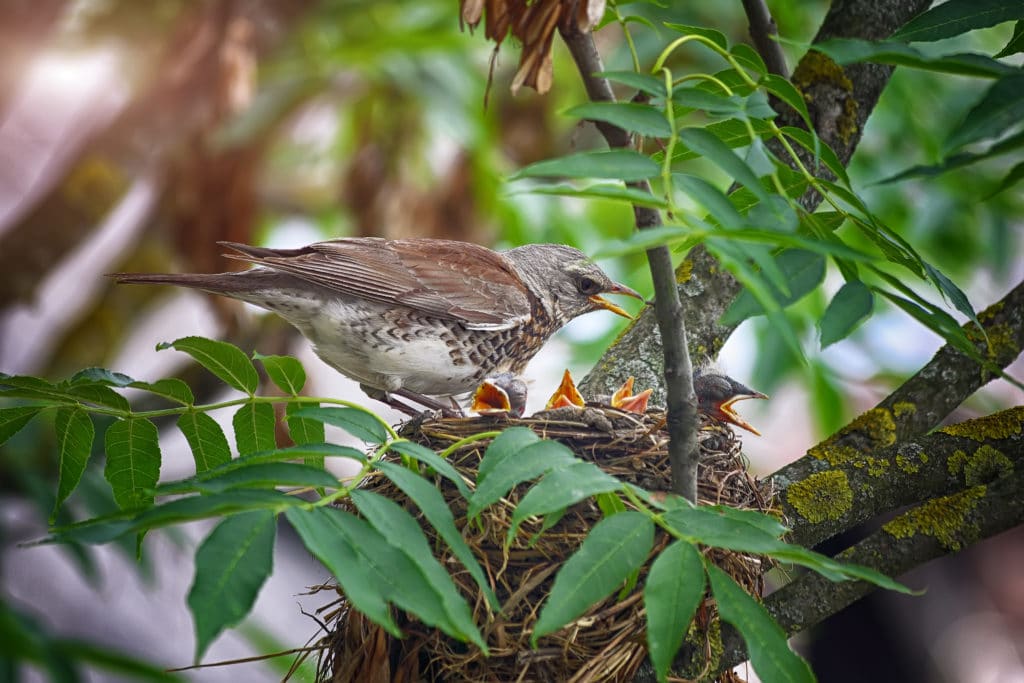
(219, 283)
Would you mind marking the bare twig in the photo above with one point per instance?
(762, 28)
(681, 402)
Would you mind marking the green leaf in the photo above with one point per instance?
(712, 103)
(284, 371)
(749, 57)
(769, 653)
(171, 388)
(788, 93)
(851, 51)
(711, 198)
(958, 16)
(602, 191)
(231, 566)
(303, 430)
(358, 423)
(12, 420)
(620, 164)
(395, 576)
(716, 37)
(1016, 43)
(614, 549)
(820, 149)
(935, 320)
(225, 360)
(508, 444)
(436, 510)
(529, 463)
(732, 132)
(411, 449)
(101, 376)
(263, 475)
(713, 149)
(851, 305)
(951, 292)
(959, 160)
(715, 527)
(1015, 175)
(18, 386)
(100, 395)
(674, 589)
(133, 461)
(642, 82)
(75, 433)
(206, 439)
(254, 426)
(362, 587)
(803, 270)
(637, 118)
(402, 531)
(560, 488)
(305, 451)
(191, 508)
(1000, 108)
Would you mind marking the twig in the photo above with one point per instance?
(762, 28)
(681, 402)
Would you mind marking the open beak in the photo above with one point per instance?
(728, 413)
(490, 399)
(566, 394)
(624, 399)
(609, 306)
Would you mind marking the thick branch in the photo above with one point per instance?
(914, 408)
(937, 528)
(762, 30)
(678, 376)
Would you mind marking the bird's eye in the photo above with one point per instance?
(588, 286)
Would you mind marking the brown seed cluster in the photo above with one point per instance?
(533, 24)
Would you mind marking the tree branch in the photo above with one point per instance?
(935, 529)
(762, 29)
(678, 371)
(914, 408)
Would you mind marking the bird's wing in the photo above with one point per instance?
(452, 280)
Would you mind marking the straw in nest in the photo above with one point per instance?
(608, 642)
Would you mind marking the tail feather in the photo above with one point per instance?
(254, 254)
(219, 283)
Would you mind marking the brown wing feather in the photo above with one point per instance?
(455, 280)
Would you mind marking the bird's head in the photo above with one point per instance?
(566, 281)
(717, 392)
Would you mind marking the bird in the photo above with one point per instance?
(717, 392)
(419, 318)
(503, 393)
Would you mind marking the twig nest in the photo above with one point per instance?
(607, 643)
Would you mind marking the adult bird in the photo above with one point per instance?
(414, 318)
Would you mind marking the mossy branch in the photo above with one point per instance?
(871, 445)
(939, 527)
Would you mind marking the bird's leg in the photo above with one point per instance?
(385, 397)
(452, 410)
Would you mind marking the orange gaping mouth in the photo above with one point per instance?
(728, 412)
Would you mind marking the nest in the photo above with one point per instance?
(607, 643)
